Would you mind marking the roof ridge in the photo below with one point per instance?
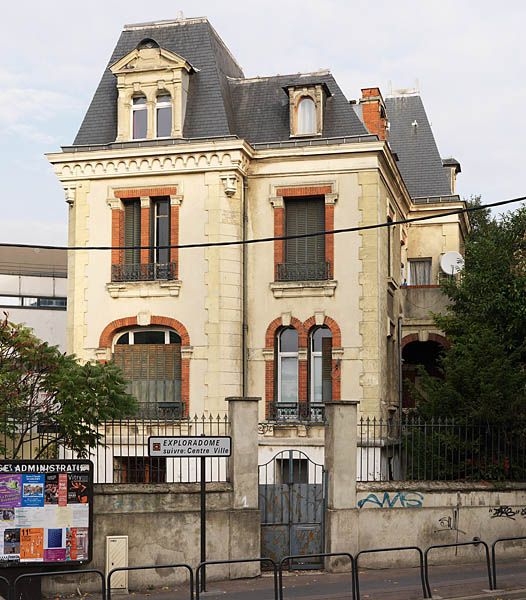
(164, 23)
(262, 77)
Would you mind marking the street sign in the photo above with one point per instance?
(189, 446)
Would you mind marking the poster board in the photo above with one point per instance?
(46, 512)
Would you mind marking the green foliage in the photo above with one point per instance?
(50, 399)
(484, 375)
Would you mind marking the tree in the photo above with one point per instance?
(49, 399)
(484, 370)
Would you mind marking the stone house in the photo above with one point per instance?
(179, 158)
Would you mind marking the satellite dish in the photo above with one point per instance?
(452, 263)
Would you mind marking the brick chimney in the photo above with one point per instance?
(373, 112)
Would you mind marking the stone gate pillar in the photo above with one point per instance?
(340, 463)
(245, 525)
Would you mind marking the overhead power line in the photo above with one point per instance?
(274, 238)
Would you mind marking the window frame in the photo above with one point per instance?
(302, 116)
(161, 105)
(155, 220)
(312, 355)
(134, 330)
(137, 108)
(422, 259)
(279, 356)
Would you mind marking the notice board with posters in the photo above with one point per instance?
(46, 512)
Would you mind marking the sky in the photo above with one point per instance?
(465, 56)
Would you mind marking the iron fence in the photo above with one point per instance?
(439, 449)
(296, 412)
(317, 271)
(119, 448)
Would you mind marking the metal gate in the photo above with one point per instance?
(292, 505)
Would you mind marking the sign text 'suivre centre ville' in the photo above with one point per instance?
(184, 446)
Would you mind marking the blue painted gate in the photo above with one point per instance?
(292, 505)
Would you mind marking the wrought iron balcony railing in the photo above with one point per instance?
(318, 271)
(294, 412)
(143, 272)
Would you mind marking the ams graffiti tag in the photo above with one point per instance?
(396, 500)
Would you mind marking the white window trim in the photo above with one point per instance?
(282, 355)
(314, 130)
(131, 333)
(162, 105)
(134, 108)
(314, 354)
(419, 259)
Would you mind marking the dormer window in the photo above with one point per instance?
(153, 88)
(139, 117)
(163, 115)
(306, 108)
(306, 116)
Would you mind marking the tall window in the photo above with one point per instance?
(306, 116)
(139, 117)
(287, 355)
(150, 360)
(160, 230)
(420, 271)
(304, 257)
(320, 365)
(132, 231)
(163, 115)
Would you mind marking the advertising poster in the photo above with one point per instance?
(45, 512)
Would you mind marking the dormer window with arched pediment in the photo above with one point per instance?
(307, 108)
(152, 83)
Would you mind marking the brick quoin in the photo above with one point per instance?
(329, 239)
(117, 236)
(174, 237)
(150, 191)
(279, 245)
(145, 235)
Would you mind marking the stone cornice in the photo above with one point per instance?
(125, 162)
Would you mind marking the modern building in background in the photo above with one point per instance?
(178, 147)
(33, 290)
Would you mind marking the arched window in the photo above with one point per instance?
(139, 117)
(306, 116)
(163, 115)
(150, 359)
(320, 365)
(287, 354)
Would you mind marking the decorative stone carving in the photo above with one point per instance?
(229, 184)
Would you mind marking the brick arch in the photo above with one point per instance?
(273, 327)
(331, 324)
(432, 337)
(112, 328)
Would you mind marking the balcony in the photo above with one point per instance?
(143, 272)
(419, 302)
(297, 412)
(318, 271)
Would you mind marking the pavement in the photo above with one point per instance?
(457, 581)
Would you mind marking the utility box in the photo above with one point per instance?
(117, 557)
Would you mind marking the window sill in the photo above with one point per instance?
(144, 289)
(303, 289)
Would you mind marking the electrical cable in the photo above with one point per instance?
(275, 238)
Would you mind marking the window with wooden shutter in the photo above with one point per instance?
(304, 257)
(153, 370)
(132, 231)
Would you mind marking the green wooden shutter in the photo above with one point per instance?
(305, 215)
(132, 231)
(326, 369)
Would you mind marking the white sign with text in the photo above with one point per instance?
(190, 446)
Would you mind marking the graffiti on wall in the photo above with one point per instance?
(393, 500)
(507, 512)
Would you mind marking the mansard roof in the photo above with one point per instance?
(221, 101)
(411, 137)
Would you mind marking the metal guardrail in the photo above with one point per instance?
(204, 564)
(455, 545)
(494, 558)
(147, 567)
(61, 574)
(397, 549)
(290, 558)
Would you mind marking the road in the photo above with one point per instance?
(452, 581)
